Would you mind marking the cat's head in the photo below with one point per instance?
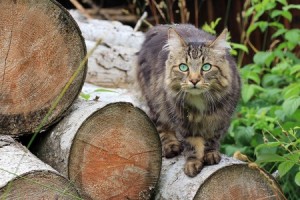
(197, 67)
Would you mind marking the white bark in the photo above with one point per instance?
(16, 160)
(113, 62)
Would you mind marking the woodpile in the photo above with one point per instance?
(102, 149)
(109, 150)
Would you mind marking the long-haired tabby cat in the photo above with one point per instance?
(192, 86)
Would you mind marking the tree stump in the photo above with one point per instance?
(40, 48)
(109, 150)
(23, 176)
(230, 179)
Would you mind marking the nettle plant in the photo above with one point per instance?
(267, 123)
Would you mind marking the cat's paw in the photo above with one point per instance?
(193, 166)
(212, 157)
(172, 149)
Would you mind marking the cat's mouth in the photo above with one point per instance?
(195, 90)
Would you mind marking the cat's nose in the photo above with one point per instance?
(194, 81)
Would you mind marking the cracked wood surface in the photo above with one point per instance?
(40, 48)
(110, 149)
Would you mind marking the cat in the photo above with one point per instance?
(191, 85)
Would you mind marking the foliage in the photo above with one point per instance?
(266, 126)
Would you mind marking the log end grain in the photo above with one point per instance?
(39, 185)
(116, 154)
(239, 182)
(41, 47)
(230, 179)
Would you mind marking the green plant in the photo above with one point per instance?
(266, 126)
(88, 95)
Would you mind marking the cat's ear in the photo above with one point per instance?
(175, 41)
(220, 42)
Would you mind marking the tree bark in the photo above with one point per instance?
(113, 63)
(23, 176)
(41, 47)
(109, 150)
(230, 179)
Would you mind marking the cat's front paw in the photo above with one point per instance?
(172, 149)
(193, 166)
(212, 157)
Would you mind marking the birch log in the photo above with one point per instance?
(40, 49)
(230, 179)
(113, 63)
(24, 176)
(110, 150)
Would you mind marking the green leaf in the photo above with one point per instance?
(297, 178)
(291, 105)
(249, 12)
(247, 92)
(292, 35)
(266, 145)
(263, 58)
(278, 33)
(277, 25)
(249, 73)
(284, 2)
(293, 157)
(276, 13)
(291, 6)
(267, 158)
(280, 68)
(251, 28)
(244, 135)
(239, 46)
(103, 90)
(287, 14)
(85, 96)
(262, 25)
(291, 90)
(284, 167)
(295, 68)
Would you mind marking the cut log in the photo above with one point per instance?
(109, 150)
(40, 49)
(230, 179)
(24, 176)
(114, 61)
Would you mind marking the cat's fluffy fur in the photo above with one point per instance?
(192, 108)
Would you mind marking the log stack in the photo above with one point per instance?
(108, 148)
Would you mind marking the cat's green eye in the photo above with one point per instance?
(206, 67)
(183, 67)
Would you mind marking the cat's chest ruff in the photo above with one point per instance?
(194, 112)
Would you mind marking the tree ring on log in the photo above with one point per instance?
(239, 182)
(39, 185)
(113, 154)
(41, 46)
